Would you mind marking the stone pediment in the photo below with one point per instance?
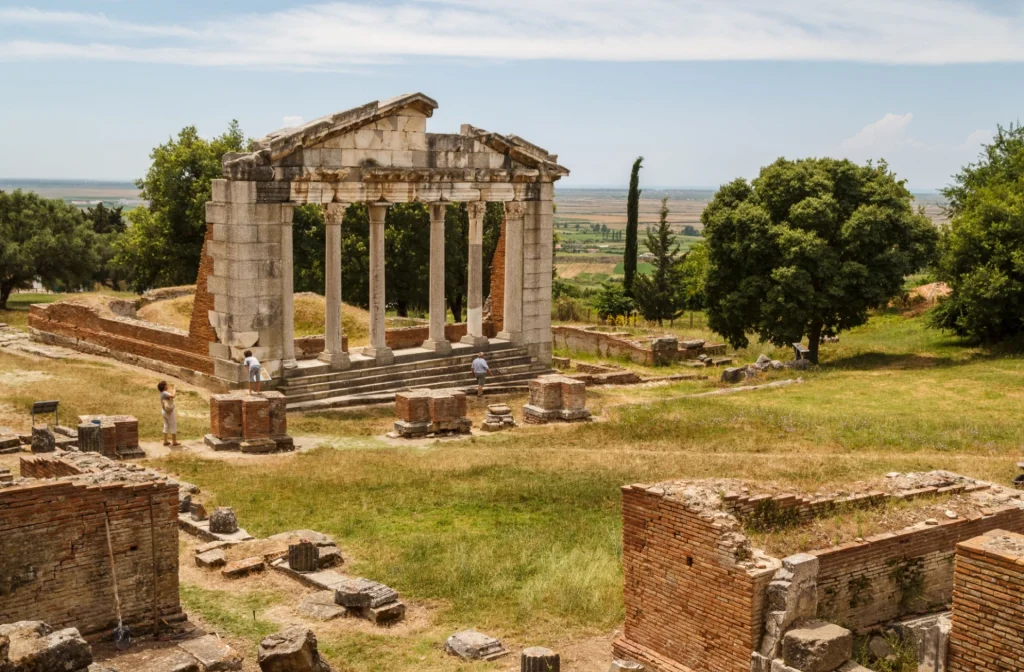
(390, 136)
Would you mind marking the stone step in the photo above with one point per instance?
(387, 374)
(406, 361)
(511, 383)
(442, 379)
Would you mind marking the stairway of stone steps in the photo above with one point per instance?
(318, 391)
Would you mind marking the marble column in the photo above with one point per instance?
(378, 348)
(475, 299)
(512, 329)
(333, 353)
(287, 292)
(436, 339)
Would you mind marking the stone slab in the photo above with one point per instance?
(474, 645)
(320, 606)
(242, 568)
(211, 559)
(213, 654)
(201, 529)
(362, 593)
(817, 647)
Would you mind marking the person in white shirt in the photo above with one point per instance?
(254, 367)
(168, 413)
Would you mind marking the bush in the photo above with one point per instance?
(569, 310)
(612, 302)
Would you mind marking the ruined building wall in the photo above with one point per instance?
(54, 563)
(988, 615)
(200, 331)
(689, 606)
(896, 574)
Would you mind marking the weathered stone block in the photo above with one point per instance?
(211, 559)
(226, 416)
(817, 647)
(43, 440)
(574, 394)
(539, 659)
(320, 606)
(241, 568)
(255, 417)
(546, 393)
(223, 520)
(412, 406)
(33, 646)
(443, 407)
(359, 593)
(474, 645)
(259, 446)
(303, 556)
(293, 649)
(385, 614)
(213, 654)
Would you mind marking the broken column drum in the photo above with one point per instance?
(378, 154)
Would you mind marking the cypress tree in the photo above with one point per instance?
(632, 226)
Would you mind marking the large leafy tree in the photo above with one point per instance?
(632, 227)
(659, 295)
(163, 245)
(982, 251)
(108, 224)
(808, 248)
(43, 239)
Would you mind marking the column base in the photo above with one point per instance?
(337, 360)
(289, 364)
(440, 347)
(380, 355)
(470, 339)
(513, 337)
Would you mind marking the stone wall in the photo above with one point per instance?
(621, 346)
(692, 600)
(896, 574)
(988, 616)
(54, 563)
(199, 329)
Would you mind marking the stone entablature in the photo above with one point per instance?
(378, 154)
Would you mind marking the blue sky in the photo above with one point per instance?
(705, 90)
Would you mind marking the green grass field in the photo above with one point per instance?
(519, 534)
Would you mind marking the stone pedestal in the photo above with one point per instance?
(556, 397)
(423, 412)
(539, 659)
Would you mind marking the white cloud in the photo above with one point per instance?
(886, 133)
(291, 121)
(335, 35)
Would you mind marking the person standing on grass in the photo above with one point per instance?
(254, 367)
(169, 413)
(480, 369)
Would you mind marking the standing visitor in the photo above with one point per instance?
(480, 369)
(169, 413)
(254, 367)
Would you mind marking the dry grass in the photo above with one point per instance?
(170, 313)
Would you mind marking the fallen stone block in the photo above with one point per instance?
(33, 646)
(242, 568)
(174, 660)
(223, 520)
(211, 559)
(391, 612)
(304, 556)
(213, 654)
(359, 593)
(213, 546)
(320, 606)
(619, 665)
(284, 443)
(330, 556)
(817, 647)
(9, 443)
(474, 645)
(412, 430)
(733, 374)
(293, 649)
(929, 635)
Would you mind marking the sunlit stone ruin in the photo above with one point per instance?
(700, 595)
(378, 154)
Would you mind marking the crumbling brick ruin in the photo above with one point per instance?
(54, 561)
(423, 412)
(556, 397)
(251, 423)
(988, 609)
(700, 597)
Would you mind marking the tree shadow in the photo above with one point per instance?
(865, 361)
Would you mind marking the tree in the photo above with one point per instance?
(632, 226)
(659, 295)
(309, 248)
(108, 225)
(690, 230)
(43, 239)
(456, 257)
(694, 271)
(982, 250)
(808, 248)
(165, 241)
(612, 301)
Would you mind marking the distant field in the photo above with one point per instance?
(83, 193)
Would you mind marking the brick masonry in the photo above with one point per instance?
(498, 282)
(54, 564)
(691, 604)
(226, 415)
(200, 330)
(256, 417)
(988, 610)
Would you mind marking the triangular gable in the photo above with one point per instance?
(518, 149)
(288, 140)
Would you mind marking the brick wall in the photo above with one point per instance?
(988, 611)
(896, 574)
(54, 565)
(689, 604)
(43, 466)
(200, 330)
(84, 325)
(498, 282)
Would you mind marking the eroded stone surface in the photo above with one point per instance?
(474, 645)
(213, 654)
(817, 647)
(34, 646)
(320, 606)
(293, 649)
(223, 520)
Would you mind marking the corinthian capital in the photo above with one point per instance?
(514, 209)
(476, 209)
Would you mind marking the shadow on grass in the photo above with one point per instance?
(865, 361)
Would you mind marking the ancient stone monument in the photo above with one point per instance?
(251, 423)
(423, 412)
(378, 154)
(556, 397)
